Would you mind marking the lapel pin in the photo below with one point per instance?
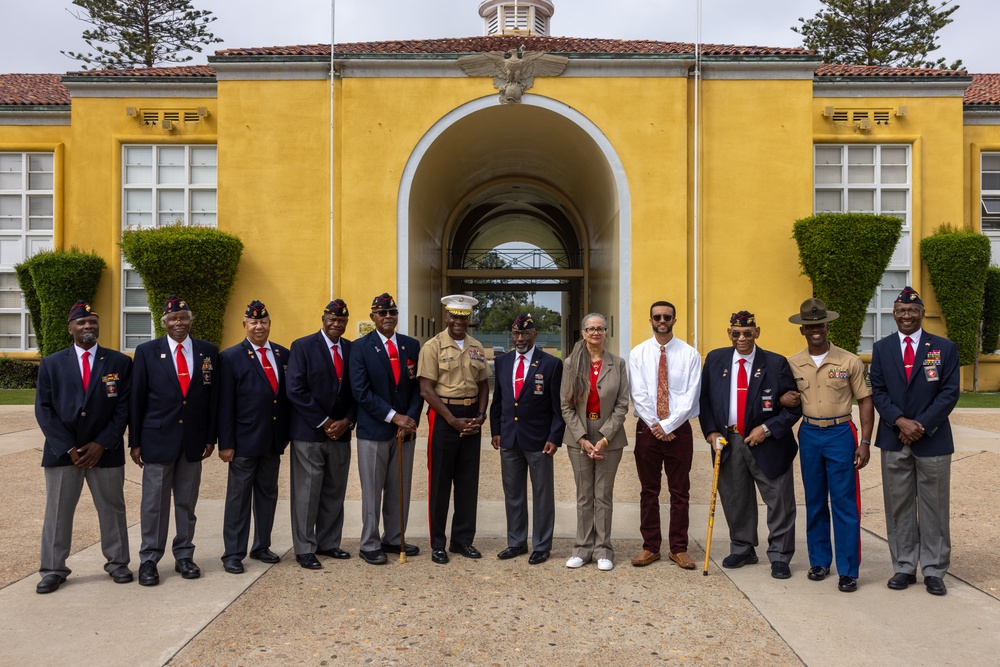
(163, 356)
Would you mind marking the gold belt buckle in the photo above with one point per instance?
(593, 416)
(467, 401)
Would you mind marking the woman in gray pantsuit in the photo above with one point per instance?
(594, 396)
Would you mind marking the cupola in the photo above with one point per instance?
(517, 17)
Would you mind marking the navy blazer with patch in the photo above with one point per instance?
(771, 376)
(926, 401)
(70, 418)
(253, 419)
(375, 389)
(314, 390)
(535, 416)
(163, 422)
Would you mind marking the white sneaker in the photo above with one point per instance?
(574, 562)
(604, 564)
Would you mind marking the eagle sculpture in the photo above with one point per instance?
(513, 71)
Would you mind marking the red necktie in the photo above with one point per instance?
(519, 376)
(268, 370)
(741, 396)
(338, 363)
(86, 370)
(662, 386)
(183, 376)
(908, 357)
(393, 359)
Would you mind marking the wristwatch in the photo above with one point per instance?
(866, 442)
(767, 431)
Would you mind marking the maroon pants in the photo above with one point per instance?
(674, 458)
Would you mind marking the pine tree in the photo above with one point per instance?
(141, 33)
(896, 33)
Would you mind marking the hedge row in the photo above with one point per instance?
(58, 279)
(198, 264)
(957, 261)
(991, 311)
(844, 256)
(18, 374)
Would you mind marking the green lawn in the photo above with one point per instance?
(17, 396)
(980, 400)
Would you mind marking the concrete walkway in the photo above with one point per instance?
(90, 621)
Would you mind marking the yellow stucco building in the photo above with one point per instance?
(644, 170)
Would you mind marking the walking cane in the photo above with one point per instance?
(402, 503)
(711, 505)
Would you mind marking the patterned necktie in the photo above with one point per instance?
(268, 370)
(908, 357)
(519, 376)
(183, 376)
(662, 386)
(393, 359)
(741, 396)
(338, 363)
(86, 370)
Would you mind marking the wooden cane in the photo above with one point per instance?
(402, 502)
(711, 504)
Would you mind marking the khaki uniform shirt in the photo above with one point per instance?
(829, 391)
(457, 371)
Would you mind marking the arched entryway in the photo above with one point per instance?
(538, 172)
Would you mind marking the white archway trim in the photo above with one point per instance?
(578, 119)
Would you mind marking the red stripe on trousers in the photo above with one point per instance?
(430, 439)
(857, 488)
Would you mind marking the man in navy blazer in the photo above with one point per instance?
(81, 405)
(915, 386)
(253, 432)
(323, 414)
(385, 386)
(527, 427)
(740, 388)
(172, 428)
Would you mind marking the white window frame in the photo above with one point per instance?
(27, 226)
(989, 200)
(881, 185)
(160, 192)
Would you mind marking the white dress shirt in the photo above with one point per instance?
(734, 377)
(527, 362)
(683, 378)
(915, 337)
(392, 412)
(79, 359)
(268, 356)
(187, 348)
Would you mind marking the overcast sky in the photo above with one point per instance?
(32, 32)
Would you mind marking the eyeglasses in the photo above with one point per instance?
(382, 313)
(522, 334)
(594, 330)
(736, 335)
(662, 318)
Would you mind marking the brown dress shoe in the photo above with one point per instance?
(682, 560)
(645, 558)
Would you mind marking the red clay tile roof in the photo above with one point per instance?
(505, 42)
(32, 90)
(875, 70)
(984, 91)
(186, 71)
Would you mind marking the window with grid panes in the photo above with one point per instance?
(870, 179)
(27, 205)
(989, 193)
(162, 185)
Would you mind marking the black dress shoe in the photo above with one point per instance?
(411, 549)
(818, 572)
(50, 583)
(733, 561)
(935, 585)
(339, 554)
(847, 584)
(376, 557)
(308, 561)
(148, 575)
(121, 575)
(511, 552)
(466, 550)
(780, 570)
(439, 556)
(233, 566)
(901, 581)
(187, 568)
(266, 556)
(538, 557)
